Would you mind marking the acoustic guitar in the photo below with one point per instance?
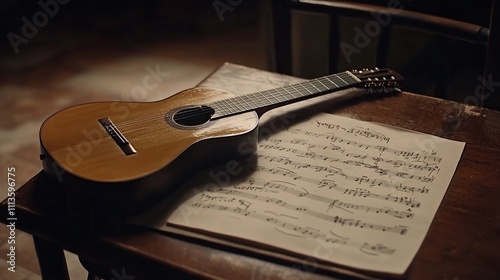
(132, 153)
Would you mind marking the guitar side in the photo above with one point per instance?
(131, 149)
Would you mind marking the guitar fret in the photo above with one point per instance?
(327, 88)
(314, 86)
(302, 85)
(274, 95)
(351, 79)
(219, 108)
(337, 80)
(257, 99)
(296, 90)
(346, 83)
(332, 82)
(284, 96)
(267, 99)
(308, 88)
(271, 96)
(230, 107)
(290, 93)
(248, 101)
(226, 108)
(241, 102)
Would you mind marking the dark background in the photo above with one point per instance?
(100, 50)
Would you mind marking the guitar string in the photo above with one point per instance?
(238, 101)
(261, 98)
(191, 113)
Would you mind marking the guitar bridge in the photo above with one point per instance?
(117, 136)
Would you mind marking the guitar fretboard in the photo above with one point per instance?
(283, 95)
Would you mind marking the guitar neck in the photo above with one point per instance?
(272, 98)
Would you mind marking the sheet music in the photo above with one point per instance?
(331, 188)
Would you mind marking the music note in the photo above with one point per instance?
(376, 249)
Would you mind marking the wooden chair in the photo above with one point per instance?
(380, 22)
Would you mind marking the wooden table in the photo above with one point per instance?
(462, 242)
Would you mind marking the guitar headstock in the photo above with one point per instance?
(378, 80)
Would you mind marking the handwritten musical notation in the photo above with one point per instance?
(363, 194)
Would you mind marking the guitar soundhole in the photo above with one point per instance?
(193, 116)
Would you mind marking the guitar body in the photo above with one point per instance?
(128, 155)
